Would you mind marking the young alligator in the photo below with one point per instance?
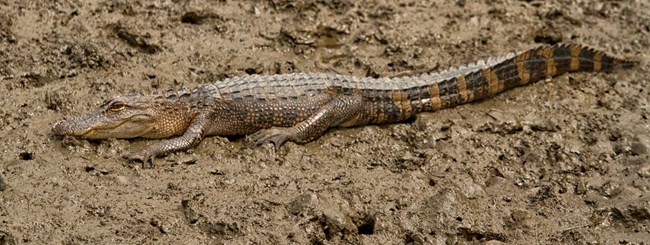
(301, 107)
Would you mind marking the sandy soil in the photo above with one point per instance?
(561, 161)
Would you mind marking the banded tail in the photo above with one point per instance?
(487, 78)
(547, 62)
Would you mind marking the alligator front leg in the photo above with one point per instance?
(343, 109)
(192, 137)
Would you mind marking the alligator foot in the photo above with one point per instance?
(145, 158)
(275, 135)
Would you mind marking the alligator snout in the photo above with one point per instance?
(61, 128)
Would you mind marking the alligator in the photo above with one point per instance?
(301, 107)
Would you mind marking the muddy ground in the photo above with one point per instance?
(560, 161)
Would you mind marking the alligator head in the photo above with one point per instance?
(129, 116)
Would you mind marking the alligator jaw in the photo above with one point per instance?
(77, 126)
(97, 125)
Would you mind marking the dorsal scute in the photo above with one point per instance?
(173, 94)
(465, 69)
(246, 83)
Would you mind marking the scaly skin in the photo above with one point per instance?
(301, 107)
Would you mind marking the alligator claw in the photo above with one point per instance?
(275, 135)
(143, 157)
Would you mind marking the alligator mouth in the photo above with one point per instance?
(117, 134)
(134, 126)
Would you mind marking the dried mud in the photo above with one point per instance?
(559, 161)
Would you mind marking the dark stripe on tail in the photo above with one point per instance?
(587, 61)
(448, 93)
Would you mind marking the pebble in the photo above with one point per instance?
(644, 171)
(638, 148)
(611, 189)
(189, 160)
(3, 185)
(121, 179)
(335, 220)
(303, 203)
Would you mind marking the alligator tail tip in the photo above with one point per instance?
(628, 64)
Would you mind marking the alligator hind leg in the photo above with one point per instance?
(346, 110)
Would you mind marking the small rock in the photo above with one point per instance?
(615, 135)
(469, 187)
(644, 171)
(173, 186)
(216, 171)
(336, 221)
(121, 179)
(3, 185)
(611, 189)
(189, 160)
(408, 156)
(519, 215)
(620, 149)
(638, 148)
(336, 142)
(445, 201)
(537, 123)
(303, 203)
(162, 227)
(581, 187)
(500, 123)
(643, 140)
(439, 136)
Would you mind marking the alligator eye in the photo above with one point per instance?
(117, 106)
